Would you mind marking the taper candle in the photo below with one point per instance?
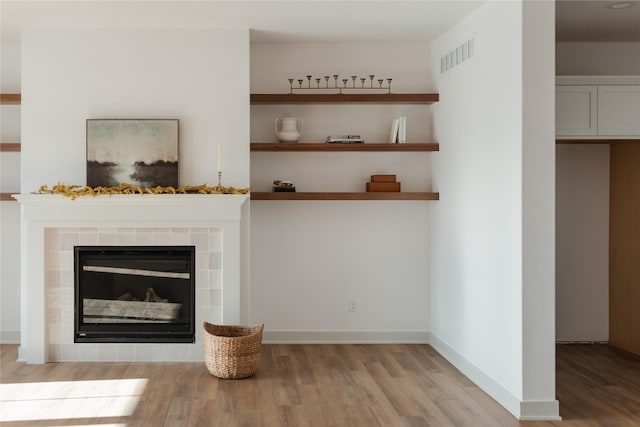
(219, 158)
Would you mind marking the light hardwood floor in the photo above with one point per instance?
(316, 385)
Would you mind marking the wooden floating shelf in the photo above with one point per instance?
(6, 197)
(345, 196)
(281, 146)
(594, 141)
(345, 98)
(10, 98)
(11, 147)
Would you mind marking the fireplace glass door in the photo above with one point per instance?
(134, 293)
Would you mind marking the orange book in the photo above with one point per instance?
(383, 186)
(383, 178)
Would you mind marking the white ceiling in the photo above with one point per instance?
(270, 21)
(309, 20)
(594, 21)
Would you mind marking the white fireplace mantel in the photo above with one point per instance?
(42, 211)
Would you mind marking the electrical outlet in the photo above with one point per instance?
(352, 305)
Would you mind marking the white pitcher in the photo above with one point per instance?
(288, 129)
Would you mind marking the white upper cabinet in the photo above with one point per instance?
(576, 110)
(619, 110)
(594, 107)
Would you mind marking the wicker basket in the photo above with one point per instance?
(232, 351)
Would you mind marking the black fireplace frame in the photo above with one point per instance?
(122, 332)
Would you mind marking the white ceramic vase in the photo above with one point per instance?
(288, 129)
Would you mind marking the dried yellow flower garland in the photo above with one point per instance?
(74, 191)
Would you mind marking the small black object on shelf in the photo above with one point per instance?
(283, 186)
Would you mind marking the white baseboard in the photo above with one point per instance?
(9, 337)
(345, 337)
(522, 410)
(22, 355)
(546, 410)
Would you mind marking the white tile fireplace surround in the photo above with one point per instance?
(52, 225)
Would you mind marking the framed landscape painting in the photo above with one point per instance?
(142, 152)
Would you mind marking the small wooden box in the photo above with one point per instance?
(383, 178)
(383, 186)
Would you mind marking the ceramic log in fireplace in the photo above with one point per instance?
(134, 294)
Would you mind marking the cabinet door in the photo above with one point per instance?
(576, 110)
(624, 247)
(618, 110)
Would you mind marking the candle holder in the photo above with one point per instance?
(336, 86)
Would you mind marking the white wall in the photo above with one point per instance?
(476, 281)
(198, 76)
(10, 211)
(10, 63)
(485, 255)
(598, 59)
(538, 211)
(10, 272)
(308, 258)
(582, 242)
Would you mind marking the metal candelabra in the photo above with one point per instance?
(336, 86)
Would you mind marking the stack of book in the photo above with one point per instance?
(398, 131)
(383, 183)
(345, 139)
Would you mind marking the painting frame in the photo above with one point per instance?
(142, 152)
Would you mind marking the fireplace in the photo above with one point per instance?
(134, 294)
(53, 225)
